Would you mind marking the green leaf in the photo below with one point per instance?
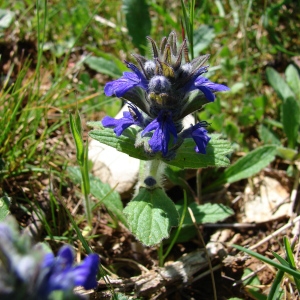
(281, 267)
(176, 175)
(104, 66)
(150, 215)
(108, 197)
(216, 154)
(291, 120)
(267, 135)
(289, 252)
(186, 156)
(6, 17)
(290, 258)
(293, 79)
(237, 87)
(206, 213)
(76, 132)
(138, 22)
(119, 296)
(275, 291)
(280, 259)
(123, 143)
(278, 84)
(247, 166)
(257, 295)
(78, 122)
(203, 37)
(287, 153)
(251, 282)
(4, 207)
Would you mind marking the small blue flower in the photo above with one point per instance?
(133, 117)
(163, 127)
(58, 273)
(199, 135)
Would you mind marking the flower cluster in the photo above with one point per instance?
(58, 273)
(32, 272)
(161, 92)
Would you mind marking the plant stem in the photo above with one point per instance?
(151, 169)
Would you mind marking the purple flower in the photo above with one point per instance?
(163, 127)
(199, 135)
(58, 273)
(129, 80)
(208, 88)
(131, 117)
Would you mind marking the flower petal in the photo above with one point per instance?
(65, 256)
(208, 87)
(199, 135)
(207, 93)
(202, 81)
(163, 127)
(85, 274)
(120, 86)
(129, 118)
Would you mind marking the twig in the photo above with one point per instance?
(275, 233)
(155, 281)
(109, 23)
(229, 225)
(252, 274)
(207, 272)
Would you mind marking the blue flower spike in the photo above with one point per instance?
(163, 90)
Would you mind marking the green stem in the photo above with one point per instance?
(153, 169)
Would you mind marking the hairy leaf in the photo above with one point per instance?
(217, 149)
(151, 215)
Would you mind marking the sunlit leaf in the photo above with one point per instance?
(151, 214)
(104, 66)
(186, 157)
(207, 213)
(291, 120)
(138, 22)
(293, 79)
(4, 207)
(6, 18)
(278, 84)
(247, 166)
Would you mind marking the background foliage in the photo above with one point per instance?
(56, 57)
